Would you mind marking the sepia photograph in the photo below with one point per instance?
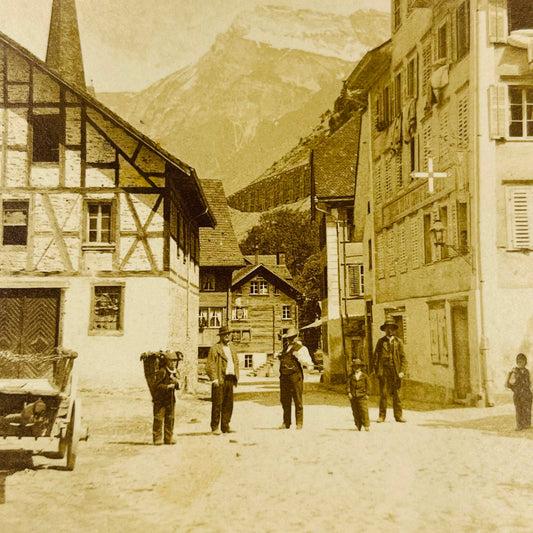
(264, 266)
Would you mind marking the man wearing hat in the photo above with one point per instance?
(293, 357)
(390, 365)
(222, 367)
(165, 383)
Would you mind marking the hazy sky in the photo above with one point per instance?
(128, 44)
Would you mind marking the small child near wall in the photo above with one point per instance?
(518, 381)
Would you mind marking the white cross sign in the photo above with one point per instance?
(430, 174)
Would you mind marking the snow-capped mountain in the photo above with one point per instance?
(263, 84)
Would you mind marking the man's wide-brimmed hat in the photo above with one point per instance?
(357, 362)
(224, 330)
(389, 321)
(291, 332)
(172, 356)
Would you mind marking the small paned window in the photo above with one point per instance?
(15, 223)
(442, 42)
(107, 308)
(208, 282)
(240, 313)
(462, 22)
(47, 134)
(286, 312)
(521, 111)
(99, 222)
(248, 360)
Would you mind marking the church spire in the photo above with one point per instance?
(64, 47)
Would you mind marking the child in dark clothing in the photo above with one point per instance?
(358, 394)
(518, 381)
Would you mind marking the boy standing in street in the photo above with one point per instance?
(358, 394)
(165, 383)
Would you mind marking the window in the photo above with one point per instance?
(386, 106)
(239, 313)
(521, 107)
(462, 227)
(442, 42)
(411, 81)
(215, 317)
(210, 317)
(369, 254)
(208, 282)
(443, 213)
(47, 134)
(520, 15)
(356, 281)
(259, 287)
(15, 223)
(428, 239)
(398, 94)
(107, 304)
(286, 312)
(99, 222)
(438, 333)
(462, 122)
(462, 22)
(248, 360)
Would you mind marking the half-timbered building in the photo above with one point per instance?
(99, 225)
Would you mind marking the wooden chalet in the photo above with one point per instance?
(264, 306)
(99, 234)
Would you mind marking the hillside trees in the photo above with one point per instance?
(295, 234)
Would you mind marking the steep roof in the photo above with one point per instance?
(266, 272)
(335, 161)
(271, 261)
(218, 245)
(188, 178)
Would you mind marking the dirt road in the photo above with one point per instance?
(445, 470)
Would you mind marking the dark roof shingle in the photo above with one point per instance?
(218, 245)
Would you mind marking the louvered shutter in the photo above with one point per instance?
(462, 122)
(520, 210)
(497, 26)
(498, 111)
(354, 281)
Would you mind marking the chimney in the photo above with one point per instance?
(63, 54)
(257, 255)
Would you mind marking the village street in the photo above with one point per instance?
(458, 469)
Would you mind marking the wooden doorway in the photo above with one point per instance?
(461, 351)
(29, 320)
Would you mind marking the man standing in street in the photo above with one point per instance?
(222, 367)
(390, 365)
(293, 357)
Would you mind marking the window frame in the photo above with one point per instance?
(286, 312)
(208, 282)
(523, 110)
(119, 331)
(15, 205)
(88, 204)
(49, 151)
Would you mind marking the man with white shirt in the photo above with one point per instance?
(293, 357)
(222, 367)
(390, 365)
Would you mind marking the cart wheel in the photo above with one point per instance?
(73, 435)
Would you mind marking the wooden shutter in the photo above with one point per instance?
(520, 210)
(497, 23)
(434, 335)
(498, 111)
(353, 280)
(443, 338)
(463, 122)
(403, 247)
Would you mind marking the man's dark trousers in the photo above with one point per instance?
(291, 388)
(360, 412)
(222, 404)
(163, 417)
(389, 384)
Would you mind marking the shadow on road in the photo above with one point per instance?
(12, 462)
(501, 425)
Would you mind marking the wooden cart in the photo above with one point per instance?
(39, 409)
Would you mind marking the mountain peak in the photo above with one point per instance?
(327, 34)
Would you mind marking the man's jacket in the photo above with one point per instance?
(163, 378)
(217, 362)
(395, 347)
(358, 387)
